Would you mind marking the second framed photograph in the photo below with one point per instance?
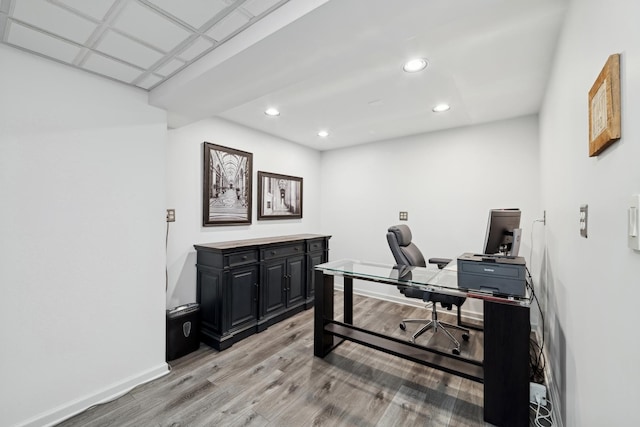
(279, 196)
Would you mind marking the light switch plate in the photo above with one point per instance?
(171, 215)
(584, 213)
(633, 224)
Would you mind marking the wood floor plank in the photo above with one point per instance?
(406, 408)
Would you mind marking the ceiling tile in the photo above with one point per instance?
(109, 67)
(95, 9)
(169, 67)
(256, 7)
(149, 81)
(128, 50)
(228, 25)
(41, 43)
(54, 19)
(150, 27)
(193, 12)
(196, 48)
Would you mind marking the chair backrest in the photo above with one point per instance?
(404, 251)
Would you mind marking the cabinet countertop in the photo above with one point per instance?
(258, 241)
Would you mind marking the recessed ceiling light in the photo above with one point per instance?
(323, 133)
(272, 112)
(440, 108)
(415, 65)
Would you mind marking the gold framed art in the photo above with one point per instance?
(604, 107)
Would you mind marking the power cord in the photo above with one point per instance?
(544, 414)
(537, 361)
(166, 267)
(119, 395)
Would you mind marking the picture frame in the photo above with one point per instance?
(279, 196)
(227, 185)
(604, 107)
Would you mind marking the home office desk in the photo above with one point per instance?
(504, 370)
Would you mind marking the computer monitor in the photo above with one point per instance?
(503, 232)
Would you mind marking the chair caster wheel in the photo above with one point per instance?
(465, 337)
(403, 326)
(456, 352)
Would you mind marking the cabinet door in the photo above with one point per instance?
(295, 279)
(314, 259)
(272, 284)
(243, 296)
(209, 296)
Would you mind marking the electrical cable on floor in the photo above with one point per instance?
(543, 413)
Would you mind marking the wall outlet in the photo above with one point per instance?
(171, 215)
(404, 216)
(544, 217)
(538, 394)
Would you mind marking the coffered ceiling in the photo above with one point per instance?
(332, 65)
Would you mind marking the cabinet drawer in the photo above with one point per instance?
(241, 258)
(316, 245)
(282, 251)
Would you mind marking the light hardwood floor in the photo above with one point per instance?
(273, 379)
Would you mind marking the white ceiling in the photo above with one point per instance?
(325, 64)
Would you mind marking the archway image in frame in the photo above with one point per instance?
(226, 186)
(279, 196)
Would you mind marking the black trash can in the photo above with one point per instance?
(182, 330)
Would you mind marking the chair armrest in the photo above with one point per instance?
(442, 262)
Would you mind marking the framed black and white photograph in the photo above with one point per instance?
(279, 196)
(226, 186)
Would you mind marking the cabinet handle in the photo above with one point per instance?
(244, 258)
(273, 252)
(296, 248)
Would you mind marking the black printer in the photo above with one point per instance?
(495, 274)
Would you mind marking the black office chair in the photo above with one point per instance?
(407, 253)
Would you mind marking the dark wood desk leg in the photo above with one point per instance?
(323, 309)
(348, 300)
(506, 364)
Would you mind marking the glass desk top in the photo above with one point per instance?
(443, 281)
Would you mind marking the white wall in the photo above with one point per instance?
(82, 232)
(184, 193)
(592, 287)
(447, 181)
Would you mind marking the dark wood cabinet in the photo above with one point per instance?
(245, 286)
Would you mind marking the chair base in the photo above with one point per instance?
(437, 325)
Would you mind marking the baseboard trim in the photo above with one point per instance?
(112, 392)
